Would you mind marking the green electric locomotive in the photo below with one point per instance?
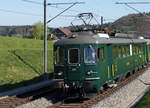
(88, 61)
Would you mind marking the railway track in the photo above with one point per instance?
(87, 103)
(13, 101)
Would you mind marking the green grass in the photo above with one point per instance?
(21, 62)
(145, 103)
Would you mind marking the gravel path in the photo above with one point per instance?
(123, 98)
(128, 95)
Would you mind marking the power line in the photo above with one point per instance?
(50, 4)
(64, 3)
(67, 16)
(34, 2)
(64, 11)
(127, 4)
(137, 10)
(132, 2)
(18, 12)
(64, 8)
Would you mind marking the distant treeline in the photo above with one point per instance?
(15, 30)
(22, 31)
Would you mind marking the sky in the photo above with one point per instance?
(19, 12)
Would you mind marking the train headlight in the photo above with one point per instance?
(59, 73)
(88, 73)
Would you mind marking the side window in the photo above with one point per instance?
(140, 49)
(119, 52)
(114, 52)
(123, 51)
(127, 50)
(136, 47)
(59, 56)
(100, 54)
(134, 50)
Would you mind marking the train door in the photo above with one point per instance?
(109, 61)
(73, 67)
(102, 63)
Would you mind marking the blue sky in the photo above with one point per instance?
(106, 8)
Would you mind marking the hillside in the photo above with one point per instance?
(21, 61)
(132, 22)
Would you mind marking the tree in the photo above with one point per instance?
(37, 31)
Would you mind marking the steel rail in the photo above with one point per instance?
(100, 96)
(20, 99)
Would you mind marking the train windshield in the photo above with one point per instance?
(90, 55)
(73, 56)
(59, 56)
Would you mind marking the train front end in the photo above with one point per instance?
(75, 68)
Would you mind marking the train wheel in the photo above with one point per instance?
(82, 93)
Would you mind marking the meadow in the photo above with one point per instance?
(21, 62)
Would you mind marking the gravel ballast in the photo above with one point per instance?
(39, 103)
(127, 95)
(122, 98)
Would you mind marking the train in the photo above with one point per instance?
(88, 62)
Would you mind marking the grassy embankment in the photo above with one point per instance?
(145, 103)
(21, 62)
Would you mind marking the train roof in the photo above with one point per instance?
(147, 40)
(92, 38)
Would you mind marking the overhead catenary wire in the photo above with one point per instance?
(137, 10)
(127, 4)
(132, 2)
(49, 4)
(64, 8)
(64, 11)
(53, 5)
(56, 6)
(67, 16)
(64, 3)
(19, 12)
(34, 2)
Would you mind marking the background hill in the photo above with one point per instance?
(131, 23)
(21, 61)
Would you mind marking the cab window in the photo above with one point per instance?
(73, 56)
(89, 55)
(59, 56)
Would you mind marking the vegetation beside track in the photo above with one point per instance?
(21, 61)
(145, 103)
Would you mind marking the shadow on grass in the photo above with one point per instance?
(35, 80)
(23, 61)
